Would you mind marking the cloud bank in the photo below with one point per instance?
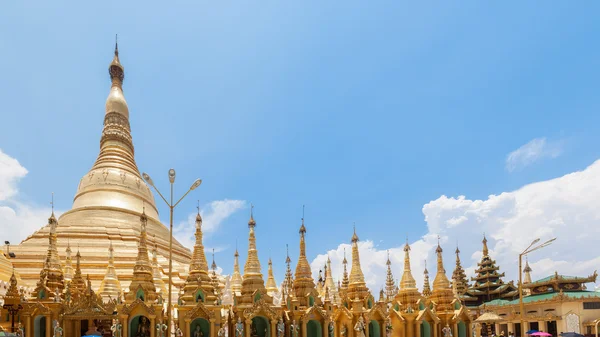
(565, 207)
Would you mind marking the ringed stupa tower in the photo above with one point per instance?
(107, 205)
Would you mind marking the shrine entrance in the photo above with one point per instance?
(462, 329)
(313, 328)
(200, 327)
(374, 330)
(425, 329)
(139, 326)
(39, 326)
(259, 327)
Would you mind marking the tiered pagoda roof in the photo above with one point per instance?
(488, 284)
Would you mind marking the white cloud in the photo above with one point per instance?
(17, 219)
(213, 214)
(536, 149)
(10, 174)
(565, 207)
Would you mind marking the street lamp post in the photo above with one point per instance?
(171, 206)
(529, 249)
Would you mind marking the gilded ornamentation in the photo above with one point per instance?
(127, 308)
(200, 311)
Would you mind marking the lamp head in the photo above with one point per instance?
(535, 241)
(148, 179)
(196, 184)
(172, 176)
(7, 242)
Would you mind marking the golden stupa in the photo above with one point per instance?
(107, 207)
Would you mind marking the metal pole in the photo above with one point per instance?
(521, 306)
(170, 263)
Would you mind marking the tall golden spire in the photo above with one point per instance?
(329, 283)
(303, 281)
(441, 280)
(253, 278)
(68, 264)
(390, 285)
(115, 180)
(345, 279)
(408, 294)
(214, 277)
(442, 293)
(156, 275)
(459, 277)
(271, 283)
(198, 275)
(236, 278)
(426, 286)
(52, 271)
(110, 286)
(357, 288)
(78, 283)
(485, 247)
(142, 286)
(288, 281)
(408, 281)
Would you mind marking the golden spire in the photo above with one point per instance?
(408, 281)
(426, 287)
(288, 281)
(390, 285)
(110, 286)
(459, 277)
(357, 288)
(271, 283)
(198, 274)
(236, 278)
(485, 247)
(78, 283)
(345, 279)
(329, 283)
(52, 271)
(68, 264)
(156, 275)
(214, 277)
(142, 286)
(115, 180)
(441, 280)
(303, 267)
(442, 294)
(253, 278)
(303, 281)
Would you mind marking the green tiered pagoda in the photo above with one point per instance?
(488, 284)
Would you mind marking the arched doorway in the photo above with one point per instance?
(200, 327)
(139, 324)
(313, 328)
(374, 330)
(425, 329)
(259, 327)
(462, 329)
(39, 326)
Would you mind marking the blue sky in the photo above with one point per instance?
(363, 112)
